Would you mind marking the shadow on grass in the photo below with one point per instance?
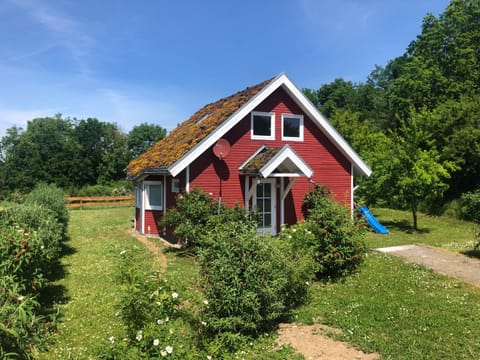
(403, 226)
(53, 293)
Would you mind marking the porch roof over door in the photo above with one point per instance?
(275, 162)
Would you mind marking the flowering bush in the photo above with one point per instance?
(152, 313)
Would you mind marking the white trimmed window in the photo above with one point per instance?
(263, 126)
(292, 127)
(138, 196)
(154, 195)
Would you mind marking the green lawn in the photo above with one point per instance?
(403, 311)
(88, 287)
(441, 231)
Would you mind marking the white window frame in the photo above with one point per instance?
(147, 195)
(138, 196)
(272, 125)
(293, 138)
(175, 185)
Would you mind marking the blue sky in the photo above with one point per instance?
(158, 61)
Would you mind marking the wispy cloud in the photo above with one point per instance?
(65, 30)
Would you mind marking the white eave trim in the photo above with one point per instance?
(249, 106)
(286, 153)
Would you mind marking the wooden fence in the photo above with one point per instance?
(87, 201)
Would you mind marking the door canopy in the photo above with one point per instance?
(275, 162)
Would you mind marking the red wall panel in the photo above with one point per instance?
(221, 177)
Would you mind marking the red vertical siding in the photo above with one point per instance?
(152, 217)
(221, 177)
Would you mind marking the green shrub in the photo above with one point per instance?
(20, 327)
(52, 198)
(196, 211)
(249, 282)
(338, 246)
(470, 206)
(25, 255)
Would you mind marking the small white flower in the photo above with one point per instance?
(123, 252)
(204, 323)
(159, 321)
(163, 353)
(205, 302)
(117, 313)
(156, 342)
(169, 349)
(174, 295)
(307, 283)
(112, 339)
(139, 336)
(20, 298)
(167, 318)
(209, 357)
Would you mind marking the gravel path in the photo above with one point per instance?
(447, 263)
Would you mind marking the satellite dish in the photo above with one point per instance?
(221, 149)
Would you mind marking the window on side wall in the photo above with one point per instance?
(154, 198)
(263, 126)
(292, 127)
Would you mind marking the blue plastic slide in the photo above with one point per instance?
(372, 221)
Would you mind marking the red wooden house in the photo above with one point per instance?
(262, 147)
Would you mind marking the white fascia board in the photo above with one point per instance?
(324, 125)
(227, 125)
(286, 153)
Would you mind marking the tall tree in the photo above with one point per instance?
(410, 170)
(144, 136)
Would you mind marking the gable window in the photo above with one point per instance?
(292, 127)
(154, 198)
(263, 126)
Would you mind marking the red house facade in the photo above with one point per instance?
(263, 147)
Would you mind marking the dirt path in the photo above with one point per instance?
(313, 343)
(447, 263)
(156, 250)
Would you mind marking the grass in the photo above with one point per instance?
(400, 310)
(87, 293)
(440, 231)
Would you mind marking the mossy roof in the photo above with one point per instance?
(188, 134)
(259, 160)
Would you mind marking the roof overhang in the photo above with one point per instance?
(283, 163)
(297, 95)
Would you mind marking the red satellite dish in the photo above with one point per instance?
(221, 149)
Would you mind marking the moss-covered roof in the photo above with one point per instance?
(259, 160)
(184, 137)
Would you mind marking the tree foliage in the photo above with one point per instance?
(436, 82)
(67, 152)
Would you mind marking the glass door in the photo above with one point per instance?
(265, 205)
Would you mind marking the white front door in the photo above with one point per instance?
(265, 204)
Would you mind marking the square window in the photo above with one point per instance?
(263, 126)
(292, 127)
(154, 198)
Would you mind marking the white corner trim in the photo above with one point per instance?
(286, 153)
